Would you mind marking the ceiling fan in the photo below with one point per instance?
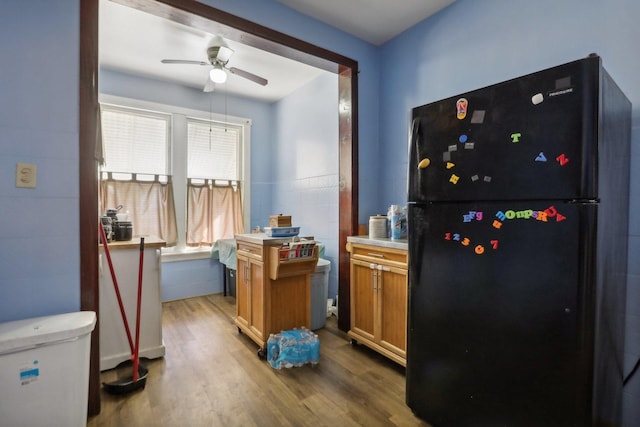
(219, 56)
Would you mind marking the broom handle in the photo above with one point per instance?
(115, 286)
(137, 348)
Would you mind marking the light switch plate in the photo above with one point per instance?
(26, 175)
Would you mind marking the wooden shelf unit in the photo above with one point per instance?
(272, 294)
(379, 290)
(287, 267)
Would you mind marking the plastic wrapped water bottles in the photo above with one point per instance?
(291, 348)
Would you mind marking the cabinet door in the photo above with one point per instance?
(362, 298)
(256, 280)
(391, 292)
(243, 287)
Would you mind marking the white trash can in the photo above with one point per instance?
(320, 294)
(44, 370)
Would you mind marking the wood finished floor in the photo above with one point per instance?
(211, 376)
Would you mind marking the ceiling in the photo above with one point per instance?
(375, 21)
(135, 42)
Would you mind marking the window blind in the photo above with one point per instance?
(213, 150)
(135, 142)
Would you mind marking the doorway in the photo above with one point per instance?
(198, 15)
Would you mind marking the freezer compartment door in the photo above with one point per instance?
(498, 313)
(530, 138)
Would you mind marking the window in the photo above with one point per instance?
(207, 163)
(135, 174)
(214, 203)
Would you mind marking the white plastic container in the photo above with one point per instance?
(44, 370)
(378, 227)
(320, 294)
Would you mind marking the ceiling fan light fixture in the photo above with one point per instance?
(217, 74)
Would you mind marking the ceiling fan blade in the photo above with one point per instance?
(247, 75)
(209, 86)
(183, 61)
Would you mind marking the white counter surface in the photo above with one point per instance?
(263, 239)
(385, 243)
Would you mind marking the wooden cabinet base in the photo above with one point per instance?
(378, 300)
(357, 339)
(272, 294)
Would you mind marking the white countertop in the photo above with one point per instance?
(263, 239)
(149, 243)
(384, 242)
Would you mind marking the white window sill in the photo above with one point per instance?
(185, 254)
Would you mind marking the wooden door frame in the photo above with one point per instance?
(199, 15)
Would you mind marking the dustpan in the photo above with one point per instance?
(127, 384)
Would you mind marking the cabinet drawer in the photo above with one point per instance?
(249, 249)
(378, 254)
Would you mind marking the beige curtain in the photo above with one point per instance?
(213, 213)
(150, 206)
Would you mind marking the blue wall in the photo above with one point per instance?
(186, 279)
(472, 44)
(305, 167)
(39, 243)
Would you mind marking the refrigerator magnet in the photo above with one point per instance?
(424, 163)
(541, 157)
(515, 137)
(461, 108)
(478, 117)
(537, 98)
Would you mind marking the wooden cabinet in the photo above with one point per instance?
(379, 299)
(272, 294)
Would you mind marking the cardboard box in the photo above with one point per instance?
(280, 221)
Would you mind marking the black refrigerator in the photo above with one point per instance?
(518, 218)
